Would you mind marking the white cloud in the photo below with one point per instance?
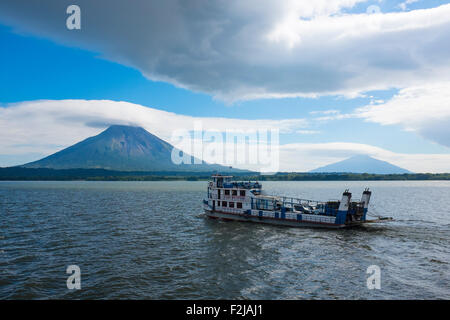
(38, 128)
(303, 157)
(334, 116)
(405, 4)
(252, 49)
(46, 126)
(308, 156)
(331, 111)
(308, 131)
(423, 109)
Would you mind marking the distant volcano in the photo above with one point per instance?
(122, 148)
(362, 164)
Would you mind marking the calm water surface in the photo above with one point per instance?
(150, 240)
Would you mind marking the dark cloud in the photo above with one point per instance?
(437, 130)
(248, 49)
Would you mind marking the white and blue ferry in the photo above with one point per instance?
(246, 201)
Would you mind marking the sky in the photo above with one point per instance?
(336, 78)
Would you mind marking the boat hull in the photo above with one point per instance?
(273, 221)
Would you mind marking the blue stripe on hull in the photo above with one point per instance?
(269, 220)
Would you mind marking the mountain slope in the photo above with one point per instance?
(122, 148)
(362, 164)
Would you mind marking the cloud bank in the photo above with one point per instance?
(423, 109)
(38, 128)
(237, 50)
(308, 156)
(46, 126)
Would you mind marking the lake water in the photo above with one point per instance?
(150, 240)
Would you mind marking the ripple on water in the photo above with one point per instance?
(150, 240)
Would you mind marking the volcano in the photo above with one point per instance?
(361, 164)
(121, 148)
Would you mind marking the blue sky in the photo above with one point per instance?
(38, 63)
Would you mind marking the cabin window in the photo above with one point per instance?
(239, 205)
(227, 192)
(224, 203)
(234, 192)
(242, 193)
(231, 204)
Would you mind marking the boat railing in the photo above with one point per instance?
(242, 185)
(234, 198)
(294, 205)
(227, 198)
(297, 201)
(230, 210)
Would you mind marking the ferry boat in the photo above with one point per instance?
(246, 201)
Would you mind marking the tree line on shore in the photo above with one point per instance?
(45, 174)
